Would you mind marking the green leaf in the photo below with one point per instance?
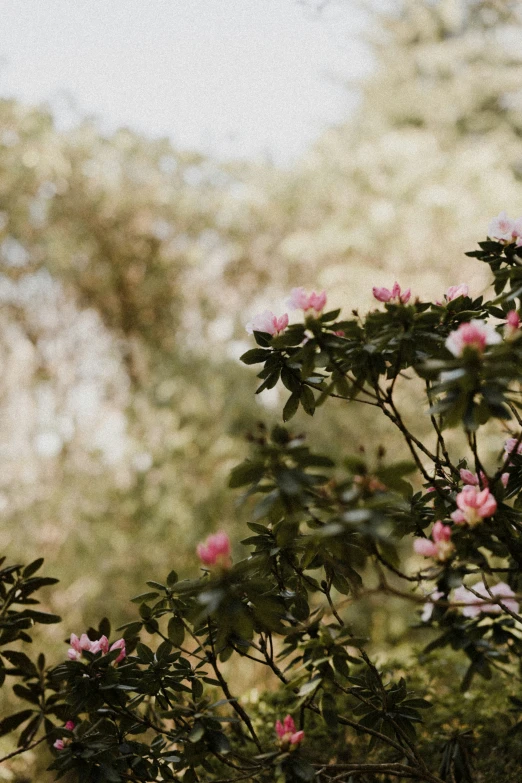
(32, 568)
(176, 631)
(246, 473)
(291, 406)
(308, 400)
(254, 356)
(13, 721)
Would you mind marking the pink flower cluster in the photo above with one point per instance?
(287, 733)
(474, 505)
(440, 547)
(60, 743)
(268, 322)
(300, 300)
(74, 652)
(506, 230)
(215, 551)
(473, 335)
(475, 605)
(395, 295)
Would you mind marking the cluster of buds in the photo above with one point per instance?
(60, 744)
(475, 605)
(440, 547)
(473, 505)
(78, 645)
(300, 300)
(287, 734)
(215, 551)
(473, 335)
(395, 296)
(506, 230)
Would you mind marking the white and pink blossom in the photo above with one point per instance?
(215, 550)
(395, 296)
(440, 547)
(268, 322)
(471, 479)
(474, 505)
(473, 335)
(300, 300)
(501, 228)
(474, 605)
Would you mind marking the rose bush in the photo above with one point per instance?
(158, 703)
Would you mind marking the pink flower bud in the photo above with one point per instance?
(513, 446)
(85, 642)
(512, 327)
(287, 733)
(504, 479)
(215, 551)
(468, 477)
(101, 645)
(59, 744)
(119, 645)
(69, 725)
(440, 547)
(473, 335)
(73, 655)
(474, 505)
(425, 547)
(395, 295)
(268, 322)
(454, 291)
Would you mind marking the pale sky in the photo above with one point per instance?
(238, 78)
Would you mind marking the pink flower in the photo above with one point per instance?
(513, 446)
(215, 551)
(454, 291)
(474, 505)
(267, 322)
(69, 725)
(119, 645)
(471, 479)
(501, 228)
(440, 547)
(77, 645)
(512, 327)
(101, 644)
(59, 744)
(504, 479)
(517, 232)
(287, 733)
(395, 295)
(300, 300)
(475, 605)
(473, 335)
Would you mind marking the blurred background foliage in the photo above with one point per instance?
(128, 269)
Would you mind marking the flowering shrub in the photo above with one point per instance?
(159, 703)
